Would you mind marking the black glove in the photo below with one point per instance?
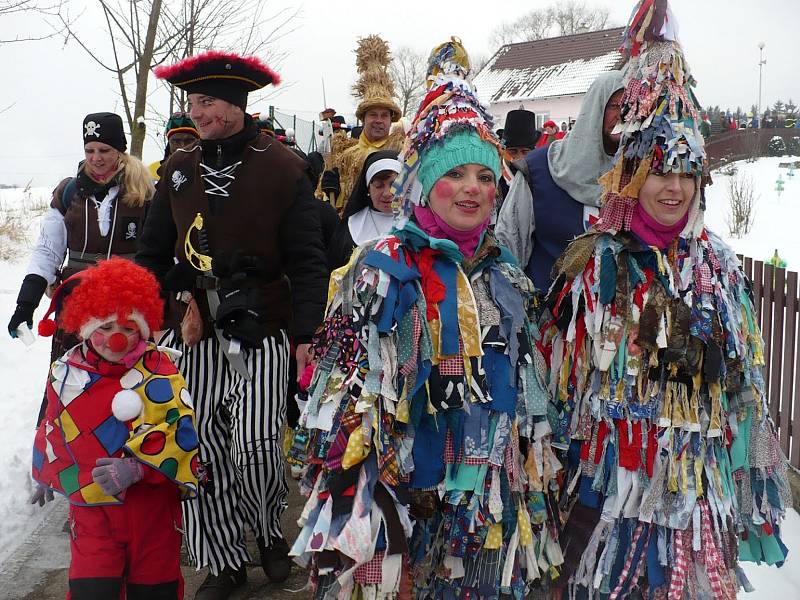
(238, 317)
(237, 265)
(30, 294)
(330, 182)
(182, 277)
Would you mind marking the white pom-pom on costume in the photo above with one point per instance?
(126, 405)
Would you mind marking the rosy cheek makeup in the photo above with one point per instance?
(444, 189)
(98, 339)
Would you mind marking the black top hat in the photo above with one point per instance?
(520, 129)
(219, 74)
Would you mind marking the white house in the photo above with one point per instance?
(548, 77)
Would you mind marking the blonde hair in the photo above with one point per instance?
(137, 184)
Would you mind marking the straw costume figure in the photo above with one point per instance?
(375, 92)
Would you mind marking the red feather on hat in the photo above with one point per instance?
(190, 63)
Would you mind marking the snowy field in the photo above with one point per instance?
(777, 217)
(23, 369)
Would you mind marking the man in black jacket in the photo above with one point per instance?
(235, 232)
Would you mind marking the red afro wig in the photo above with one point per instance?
(114, 290)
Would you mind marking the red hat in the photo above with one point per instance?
(114, 290)
(549, 124)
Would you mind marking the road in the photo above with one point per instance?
(38, 570)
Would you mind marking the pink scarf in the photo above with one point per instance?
(434, 226)
(653, 233)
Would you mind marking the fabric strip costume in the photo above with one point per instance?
(430, 472)
(674, 469)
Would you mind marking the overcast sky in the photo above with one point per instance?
(50, 87)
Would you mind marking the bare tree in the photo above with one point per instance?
(14, 7)
(207, 24)
(408, 70)
(145, 33)
(477, 62)
(742, 199)
(534, 25)
(561, 18)
(574, 16)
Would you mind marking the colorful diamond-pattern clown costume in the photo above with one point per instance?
(80, 427)
(656, 363)
(430, 472)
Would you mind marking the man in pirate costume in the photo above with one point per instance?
(234, 230)
(377, 109)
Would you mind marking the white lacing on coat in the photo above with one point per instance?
(216, 181)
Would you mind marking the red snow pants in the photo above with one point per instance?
(128, 551)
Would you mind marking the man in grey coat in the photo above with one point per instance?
(554, 195)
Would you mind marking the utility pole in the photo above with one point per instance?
(761, 63)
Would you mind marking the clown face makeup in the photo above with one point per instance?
(113, 341)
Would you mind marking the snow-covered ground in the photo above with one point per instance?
(777, 217)
(23, 369)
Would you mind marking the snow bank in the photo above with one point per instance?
(23, 371)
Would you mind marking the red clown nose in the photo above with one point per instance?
(117, 342)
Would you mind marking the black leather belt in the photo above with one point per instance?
(83, 260)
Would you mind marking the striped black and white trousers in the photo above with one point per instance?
(239, 426)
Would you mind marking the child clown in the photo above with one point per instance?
(118, 439)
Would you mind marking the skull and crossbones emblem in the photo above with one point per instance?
(92, 128)
(130, 233)
(178, 179)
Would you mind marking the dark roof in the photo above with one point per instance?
(558, 50)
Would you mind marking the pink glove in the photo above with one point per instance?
(116, 474)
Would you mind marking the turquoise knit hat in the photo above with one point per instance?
(461, 148)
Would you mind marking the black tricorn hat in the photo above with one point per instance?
(222, 75)
(520, 129)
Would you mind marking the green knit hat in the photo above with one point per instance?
(180, 122)
(461, 148)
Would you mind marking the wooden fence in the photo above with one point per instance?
(776, 302)
(740, 144)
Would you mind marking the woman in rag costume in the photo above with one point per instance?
(656, 362)
(430, 473)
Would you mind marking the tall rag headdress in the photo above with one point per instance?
(658, 118)
(449, 107)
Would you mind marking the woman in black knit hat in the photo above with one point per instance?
(96, 214)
